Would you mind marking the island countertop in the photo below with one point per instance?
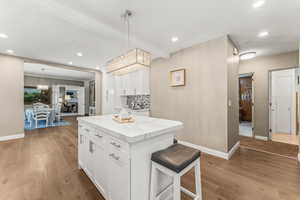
(141, 129)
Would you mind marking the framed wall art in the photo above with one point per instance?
(177, 77)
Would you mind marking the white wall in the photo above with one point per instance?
(11, 96)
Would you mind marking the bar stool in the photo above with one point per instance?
(175, 161)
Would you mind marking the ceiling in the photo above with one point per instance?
(55, 30)
(47, 71)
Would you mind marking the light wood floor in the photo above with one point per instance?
(278, 148)
(43, 166)
(285, 138)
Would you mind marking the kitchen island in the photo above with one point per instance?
(117, 157)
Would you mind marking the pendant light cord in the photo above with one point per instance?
(128, 30)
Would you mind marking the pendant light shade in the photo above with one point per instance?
(132, 60)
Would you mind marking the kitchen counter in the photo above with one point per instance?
(117, 157)
(142, 128)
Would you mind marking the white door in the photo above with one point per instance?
(281, 102)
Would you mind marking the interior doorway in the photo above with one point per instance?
(246, 102)
(283, 106)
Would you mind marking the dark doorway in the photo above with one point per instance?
(246, 104)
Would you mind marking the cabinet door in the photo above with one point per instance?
(89, 159)
(119, 85)
(128, 84)
(119, 177)
(81, 150)
(100, 168)
(142, 82)
(146, 81)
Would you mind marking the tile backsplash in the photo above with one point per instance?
(138, 102)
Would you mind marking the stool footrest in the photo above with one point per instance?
(164, 191)
(189, 193)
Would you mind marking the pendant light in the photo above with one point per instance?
(132, 60)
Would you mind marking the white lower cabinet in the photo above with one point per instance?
(99, 165)
(119, 180)
(105, 163)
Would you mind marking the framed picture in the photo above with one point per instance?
(177, 77)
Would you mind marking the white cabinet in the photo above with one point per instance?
(99, 166)
(142, 82)
(119, 164)
(82, 150)
(119, 179)
(134, 83)
(106, 162)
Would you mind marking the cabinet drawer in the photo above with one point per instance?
(118, 157)
(116, 144)
(98, 137)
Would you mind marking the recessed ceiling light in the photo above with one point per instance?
(79, 54)
(247, 55)
(258, 4)
(174, 39)
(10, 51)
(263, 34)
(70, 63)
(2, 35)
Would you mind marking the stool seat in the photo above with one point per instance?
(176, 157)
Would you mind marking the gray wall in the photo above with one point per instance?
(11, 96)
(202, 104)
(233, 95)
(34, 81)
(260, 66)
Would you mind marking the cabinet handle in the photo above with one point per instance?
(91, 147)
(116, 145)
(114, 156)
(99, 136)
(80, 139)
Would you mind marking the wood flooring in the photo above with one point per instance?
(286, 138)
(279, 148)
(43, 166)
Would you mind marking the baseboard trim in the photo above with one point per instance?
(213, 152)
(264, 138)
(12, 137)
(233, 150)
(299, 157)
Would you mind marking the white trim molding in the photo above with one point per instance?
(299, 157)
(213, 152)
(233, 150)
(12, 137)
(264, 138)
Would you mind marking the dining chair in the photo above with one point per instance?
(41, 115)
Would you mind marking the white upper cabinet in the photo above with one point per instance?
(134, 83)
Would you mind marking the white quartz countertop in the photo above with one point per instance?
(143, 128)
